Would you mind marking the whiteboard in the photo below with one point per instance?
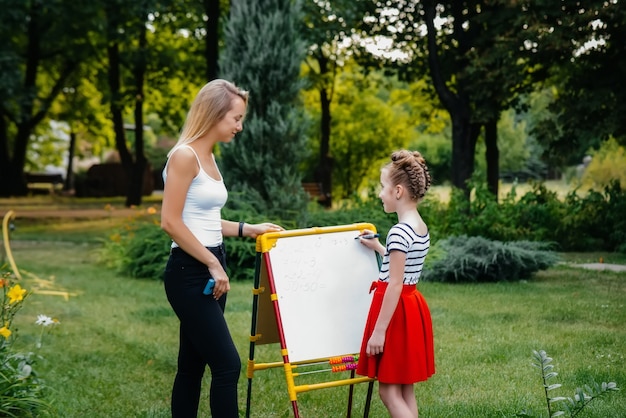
(322, 284)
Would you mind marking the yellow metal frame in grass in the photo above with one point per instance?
(264, 281)
(42, 286)
(7, 246)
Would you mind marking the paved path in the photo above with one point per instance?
(601, 266)
(77, 213)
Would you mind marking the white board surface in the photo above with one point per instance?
(322, 284)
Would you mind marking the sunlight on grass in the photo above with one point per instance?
(560, 187)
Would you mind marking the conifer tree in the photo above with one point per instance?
(263, 53)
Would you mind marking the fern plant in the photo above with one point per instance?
(571, 405)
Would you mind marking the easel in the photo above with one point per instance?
(268, 323)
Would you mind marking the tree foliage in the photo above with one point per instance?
(43, 45)
(263, 54)
(361, 144)
(579, 49)
(331, 30)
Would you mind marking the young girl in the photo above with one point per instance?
(397, 345)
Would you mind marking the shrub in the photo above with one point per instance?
(606, 166)
(139, 250)
(477, 259)
(594, 222)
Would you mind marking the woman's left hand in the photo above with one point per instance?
(254, 230)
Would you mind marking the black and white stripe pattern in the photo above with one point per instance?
(402, 237)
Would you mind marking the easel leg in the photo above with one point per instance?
(350, 396)
(368, 400)
(248, 398)
(255, 307)
(296, 413)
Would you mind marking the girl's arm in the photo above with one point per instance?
(376, 343)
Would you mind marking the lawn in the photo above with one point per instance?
(114, 352)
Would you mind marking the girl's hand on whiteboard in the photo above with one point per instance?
(371, 243)
(375, 344)
(254, 230)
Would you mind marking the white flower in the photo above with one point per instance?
(44, 320)
(27, 369)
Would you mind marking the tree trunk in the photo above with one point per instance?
(211, 42)
(492, 156)
(69, 175)
(138, 168)
(464, 136)
(324, 170)
(325, 167)
(16, 180)
(457, 104)
(12, 180)
(116, 105)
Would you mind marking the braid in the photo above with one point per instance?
(409, 169)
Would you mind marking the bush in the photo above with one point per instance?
(589, 222)
(606, 166)
(140, 249)
(477, 259)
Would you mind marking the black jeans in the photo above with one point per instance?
(204, 338)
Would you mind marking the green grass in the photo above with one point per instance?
(114, 352)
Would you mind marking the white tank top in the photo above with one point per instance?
(202, 211)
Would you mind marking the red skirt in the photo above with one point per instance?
(408, 354)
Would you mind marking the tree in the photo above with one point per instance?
(361, 145)
(136, 61)
(328, 30)
(263, 54)
(579, 49)
(475, 54)
(79, 107)
(47, 42)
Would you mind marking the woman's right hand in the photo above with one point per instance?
(222, 282)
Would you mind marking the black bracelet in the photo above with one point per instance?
(241, 229)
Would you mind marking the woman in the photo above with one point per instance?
(193, 196)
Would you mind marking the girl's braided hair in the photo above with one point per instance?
(409, 169)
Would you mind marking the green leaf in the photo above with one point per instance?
(557, 399)
(551, 375)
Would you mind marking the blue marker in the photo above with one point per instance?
(367, 236)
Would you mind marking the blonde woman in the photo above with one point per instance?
(196, 283)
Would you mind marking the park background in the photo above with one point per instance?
(492, 93)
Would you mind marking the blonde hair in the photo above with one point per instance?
(210, 106)
(408, 168)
